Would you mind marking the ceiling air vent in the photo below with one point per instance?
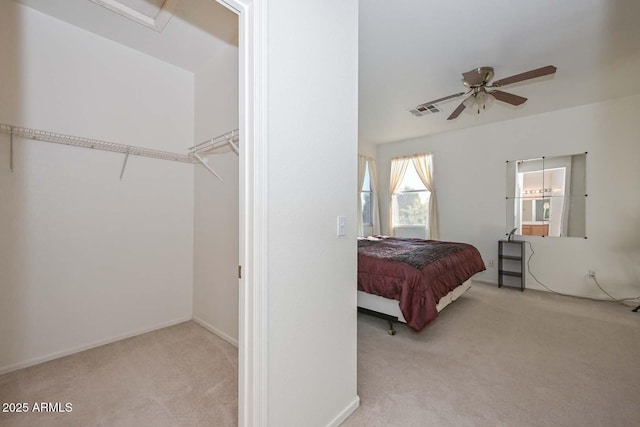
(423, 109)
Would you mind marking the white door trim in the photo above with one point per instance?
(253, 321)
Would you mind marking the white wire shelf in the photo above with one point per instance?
(77, 141)
(195, 155)
(215, 144)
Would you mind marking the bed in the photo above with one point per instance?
(411, 280)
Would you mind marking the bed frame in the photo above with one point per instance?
(389, 309)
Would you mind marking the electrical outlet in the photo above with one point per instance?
(592, 273)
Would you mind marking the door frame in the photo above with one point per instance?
(253, 256)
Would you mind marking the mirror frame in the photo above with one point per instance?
(568, 202)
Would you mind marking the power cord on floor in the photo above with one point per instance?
(568, 295)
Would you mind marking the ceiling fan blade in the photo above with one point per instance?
(446, 98)
(509, 98)
(457, 111)
(538, 72)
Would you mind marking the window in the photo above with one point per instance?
(366, 199)
(410, 202)
(413, 210)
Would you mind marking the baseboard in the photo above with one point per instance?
(346, 412)
(631, 303)
(537, 288)
(59, 354)
(491, 282)
(218, 332)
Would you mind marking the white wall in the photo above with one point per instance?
(215, 293)
(85, 258)
(369, 150)
(470, 177)
(312, 158)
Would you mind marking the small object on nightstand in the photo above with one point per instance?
(511, 261)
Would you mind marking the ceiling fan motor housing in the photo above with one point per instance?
(478, 77)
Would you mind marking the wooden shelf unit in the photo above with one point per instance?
(511, 251)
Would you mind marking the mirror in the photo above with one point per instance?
(546, 196)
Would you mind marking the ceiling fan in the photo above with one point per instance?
(481, 92)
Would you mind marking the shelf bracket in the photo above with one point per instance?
(203, 162)
(234, 147)
(11, 150)
(124, 165)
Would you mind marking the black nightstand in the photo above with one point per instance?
(511, 263)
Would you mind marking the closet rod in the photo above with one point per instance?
(76, 141)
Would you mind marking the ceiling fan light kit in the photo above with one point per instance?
(481, 93)
(479, 100)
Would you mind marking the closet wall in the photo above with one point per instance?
(312, 153)
(84, 257)
(215, 292)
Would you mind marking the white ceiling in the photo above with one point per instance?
(414, 51)
(195, 33)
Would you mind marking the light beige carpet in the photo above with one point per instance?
(499, 357)
(495, 357)
(178, 376)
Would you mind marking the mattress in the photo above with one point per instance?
(417, 273)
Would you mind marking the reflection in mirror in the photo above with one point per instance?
(546, 196)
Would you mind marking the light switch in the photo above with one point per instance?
(341, 222)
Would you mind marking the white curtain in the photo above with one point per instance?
(398, 169)
(424, 166)
(362, 167)
(373, 176)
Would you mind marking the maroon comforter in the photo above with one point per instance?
(415, 272)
